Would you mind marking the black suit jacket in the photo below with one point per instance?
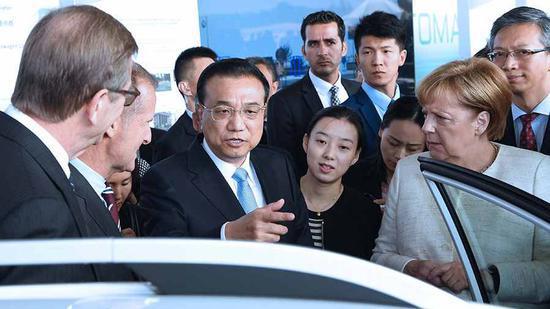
(187, 195)
(289, 113)
(99, 223)
(178, 139)
(509, 137)
(37, 202)
(363, 105)
(147, 151)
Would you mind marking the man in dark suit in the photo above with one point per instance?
(62, 103)
(291, 109)
(189, 66)
(115, 152)
(519, 45)
(380, 40)
(224, 186)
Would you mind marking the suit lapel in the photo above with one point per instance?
(351, 86)
(509, 137)
(545, 147)
(369, 111)
(210, 182)
(310, 95)
(42, 155)
(265, 173)
(93, 206)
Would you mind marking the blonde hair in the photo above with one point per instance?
(477, 84)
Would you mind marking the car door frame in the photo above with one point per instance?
(527, 206)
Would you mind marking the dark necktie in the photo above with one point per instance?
(334, 96)
(109, 197)
(527, 138)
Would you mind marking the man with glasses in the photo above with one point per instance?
(224, 186)
(115, 152)
(62, 103)
(520, 46)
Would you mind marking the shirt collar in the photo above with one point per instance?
(378, 97)
(542, 108)
(227, 169)
(59, 153)
(323, 86)
(94, 178)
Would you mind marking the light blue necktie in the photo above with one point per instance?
(244, 192)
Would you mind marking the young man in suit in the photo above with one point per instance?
(224, 186)
(380, 40)
(189, 66)
(291, 109)
(62, 103)
(520, 46)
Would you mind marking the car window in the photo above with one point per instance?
(511, 253)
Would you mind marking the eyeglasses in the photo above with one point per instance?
(500, 56)
(221, 113)
(129, 95)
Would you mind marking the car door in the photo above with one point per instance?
(501, 234)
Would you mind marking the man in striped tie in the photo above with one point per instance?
(225, 186)
(115, 152)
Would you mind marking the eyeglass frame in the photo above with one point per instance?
(134, 93)
(491, 55)
(233, 111)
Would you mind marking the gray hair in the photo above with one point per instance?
(522, 15)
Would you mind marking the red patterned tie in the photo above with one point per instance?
(527, 138)
(109, 197)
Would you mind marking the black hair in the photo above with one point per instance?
(404, 108)
(184, 62)
(231, 67)
(323, 17)
(339, 112)
(522, 15)
(267, 62)
(381, 25)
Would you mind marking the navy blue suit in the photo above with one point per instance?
(363, 105)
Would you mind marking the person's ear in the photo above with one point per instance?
(184, 87)
(198, 118)
(402, 57)
(356, 158)
(344, 48)
(380, 133)
(96, 104)
(482, 123)
(304, 49)
(305, 142)
(114, 128)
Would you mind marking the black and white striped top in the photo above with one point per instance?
(316, 229)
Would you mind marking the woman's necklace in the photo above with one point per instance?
(330, 203)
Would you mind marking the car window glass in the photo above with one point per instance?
(510, 251)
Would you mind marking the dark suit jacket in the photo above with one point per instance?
(509, 137)
(187, 195)
(37, 202)
(363, 105)
(289, 113)
(99, 223)
(178, 138)
(366, 176)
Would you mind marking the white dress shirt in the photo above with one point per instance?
(92, 177)
(323, 89)
(381, 100)
(59, 153)
(538, 125)
(228, 169)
